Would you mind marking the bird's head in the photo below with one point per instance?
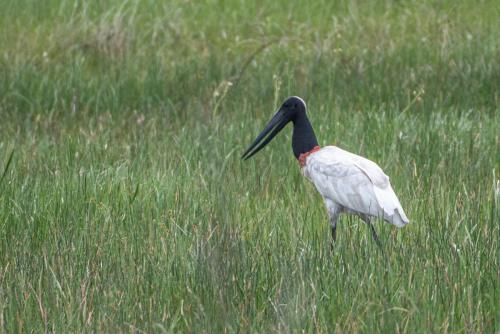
(293, 108)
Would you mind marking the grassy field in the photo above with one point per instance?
(124, 205)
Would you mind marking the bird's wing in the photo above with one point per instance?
(354, 182)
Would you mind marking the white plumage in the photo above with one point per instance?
(353, 184)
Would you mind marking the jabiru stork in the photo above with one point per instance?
(347, 182)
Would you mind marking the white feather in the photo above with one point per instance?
(355, 184)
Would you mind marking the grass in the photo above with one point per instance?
(124, 205)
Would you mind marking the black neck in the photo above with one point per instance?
(303, 138)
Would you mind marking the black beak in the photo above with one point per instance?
(275, 125)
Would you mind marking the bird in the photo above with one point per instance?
(348, 183)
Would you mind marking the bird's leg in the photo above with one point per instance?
(334, 235)
(333, 223)
(334, 211)
(375, 236)
(368, 221)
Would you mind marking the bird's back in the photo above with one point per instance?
(355, 183)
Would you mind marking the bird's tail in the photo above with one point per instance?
(399, 218)
(392, 210)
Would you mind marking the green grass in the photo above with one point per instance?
(125, 206)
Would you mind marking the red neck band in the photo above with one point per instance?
(303, 156)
